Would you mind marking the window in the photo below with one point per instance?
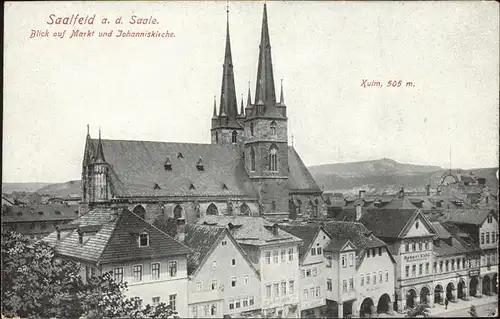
(313, 251)
(416, 224)
(463, 262)
(291, 286)
(171, 301)
(156, 301)
(426, 245)
(252, 159)
(351, 258)
(452, 264)
(420, 268)
(214, 264)
(311, 292)
(414, 246)
(268, 257)
(233, 281)
(251, 301)
(283, 288)
(224, 243)
(368, 253)
(246, 280)
(426, 268)
(319, 250)
(374, 278)
(344, 262)
(441, 266)
(303, 273)
(172, 268)
(367, 279)
(283, 255)
(380, 276)
(234, 137)
(273, 128)
(386, 276)
(277, 290)
(245, 302)
(233, 262)
(344, 285)
(143, 240)
(315, 272)
(488, 238)
(306, 292)
(213, 309)
(308, 272)
(407, 247)
(155, 271)
(214, 284)
(380, 251)
(458, 263)
(490, 219)
(194, 311)
(138, 273)
(446, 265)
(231, 304)
(329, 285)
(413, 270)
(492, 237)
(328, 261)
(275, 257)
(237, 304)
(419, 246)
(434, 267)
(80, 238)
(318, 292)
(199, 286)
(273, 158)
(351, 284)
(362, 280)
(268, 291)
(290, 254)
(482, 238)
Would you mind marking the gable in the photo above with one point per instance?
(348, 246)
(418, 227)
(321, 239)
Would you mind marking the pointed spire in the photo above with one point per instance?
(282, 96)
(215, 107)
(249, 98)
(100, 153)
(228, 104)
(242, 109)
(265, 90)
(88, 130)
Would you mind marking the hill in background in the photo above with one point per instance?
(22, 187)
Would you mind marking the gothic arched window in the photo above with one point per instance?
(212, 210)
(177, 212)
(244, 209)
(252, 160)
(234, 136)
(251, 129)
(216, 137)
(273, 158)
(140, 211)
(273, 128)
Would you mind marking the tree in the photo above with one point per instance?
(37, 284)
(419, 310)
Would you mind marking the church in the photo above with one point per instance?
(248, 169)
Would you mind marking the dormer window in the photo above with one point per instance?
(273, 128)
(57, 212)
(191, 187)
(275, 229)
(168, 165)
(199, 165)
(80, 237)
(224, 186)
(179, 155)
(156, 186)
(58, 233)
(143, 240)
(40, 213)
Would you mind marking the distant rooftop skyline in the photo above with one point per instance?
(162, 90)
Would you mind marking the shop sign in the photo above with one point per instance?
(417, 257)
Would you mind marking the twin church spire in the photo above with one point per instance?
(265, 95)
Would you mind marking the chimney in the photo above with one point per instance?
(359, 212)
(181, 229)
(428, 189)
(362, 193)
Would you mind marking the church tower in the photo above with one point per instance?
(227, 127)
(266, 147)
(95, 173)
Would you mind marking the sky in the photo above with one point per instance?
(162, 89)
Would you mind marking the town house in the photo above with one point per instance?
(359, 271)
(312, 283)
(153, 264)
(274, 253)
(222, 280)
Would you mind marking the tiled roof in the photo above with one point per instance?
(115, 238)
(38, 213)
(300, 178)
(446, 244)
(387, 222)
(462, 236)
(201, 240)
(137, 166)
(465, 216)
(442, 233)
(305, 232)
(346, 215)
(250, 230)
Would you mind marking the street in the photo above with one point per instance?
(482, 311)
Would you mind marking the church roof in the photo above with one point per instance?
(137, 166)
